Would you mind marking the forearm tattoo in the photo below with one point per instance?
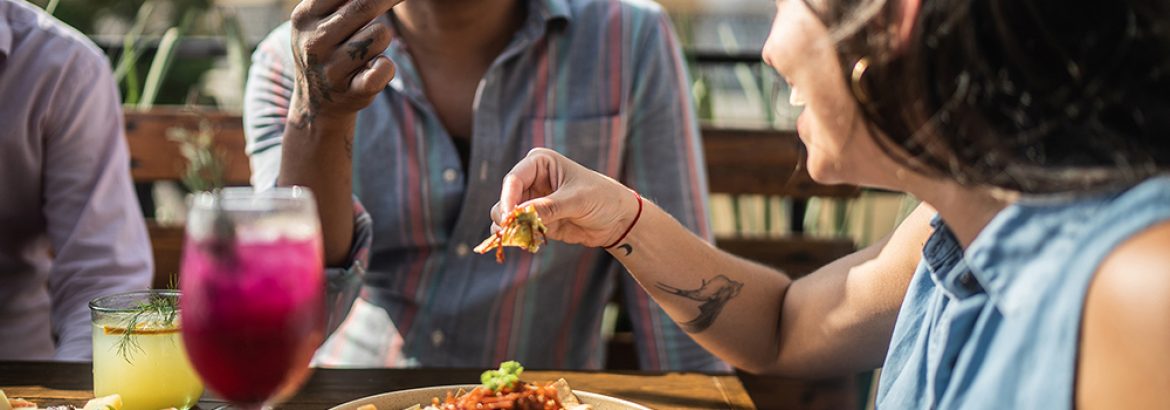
(714, 295)
(626, 247)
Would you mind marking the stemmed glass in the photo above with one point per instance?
(253, 289)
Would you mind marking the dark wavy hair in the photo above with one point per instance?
(1034, 96)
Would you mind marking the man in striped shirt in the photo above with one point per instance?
(476, 85)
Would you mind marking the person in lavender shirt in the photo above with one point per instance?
(71, 226)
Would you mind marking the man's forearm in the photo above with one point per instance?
(317, 153)
(340, 68)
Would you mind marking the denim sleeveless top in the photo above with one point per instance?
(997, 326)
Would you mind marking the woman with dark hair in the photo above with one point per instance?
(1038, 133)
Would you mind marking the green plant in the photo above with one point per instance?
(140, 92)
(159, 67)
(51, 7)
(128, 61)
(88, 16)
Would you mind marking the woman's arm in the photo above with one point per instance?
(837, 320)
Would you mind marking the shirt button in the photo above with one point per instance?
(437, 338)
(967, 280)
(462, 250)
(450, 174)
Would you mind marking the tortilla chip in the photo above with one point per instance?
(111, 402)
(15, 403)
(565, 394)
(523, 229)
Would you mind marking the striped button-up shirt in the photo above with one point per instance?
(601, 81)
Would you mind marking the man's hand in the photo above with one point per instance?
(337, 49)
(337, 46)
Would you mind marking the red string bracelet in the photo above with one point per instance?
(636, 217)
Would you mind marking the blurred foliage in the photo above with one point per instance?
(149, 75)
(84, 15)
(163, 58)
(206, 162)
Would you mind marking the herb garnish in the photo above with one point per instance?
(157, 313)
(507, 376)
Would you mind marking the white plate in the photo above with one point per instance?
(402, 399)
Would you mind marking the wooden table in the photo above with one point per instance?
(72, 383)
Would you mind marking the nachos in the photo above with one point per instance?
(522, 229)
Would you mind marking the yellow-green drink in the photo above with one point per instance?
(138, 352)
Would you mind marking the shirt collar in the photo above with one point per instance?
(542, 14)
(1011, 257)
(1005, 256)
(553, 10)
(988, 265)
(943, 258)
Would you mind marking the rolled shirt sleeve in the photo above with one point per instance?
(266, 100)
(664, 163)
(92, 215)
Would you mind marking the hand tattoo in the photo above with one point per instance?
(714, 293)
(315, 87)
(359, 50)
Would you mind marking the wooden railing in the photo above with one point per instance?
(154, 157)
(738, 162)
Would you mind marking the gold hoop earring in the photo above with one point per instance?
(859, 70)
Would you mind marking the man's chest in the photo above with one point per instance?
(408, 169)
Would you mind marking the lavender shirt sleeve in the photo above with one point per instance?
(93, 220)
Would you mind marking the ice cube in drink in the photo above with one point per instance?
(253, 312)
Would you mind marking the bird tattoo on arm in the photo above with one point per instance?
(714, 294)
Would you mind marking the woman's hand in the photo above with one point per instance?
(577, 204)
(338, 45)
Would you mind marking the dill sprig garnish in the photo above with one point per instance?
(157, 312)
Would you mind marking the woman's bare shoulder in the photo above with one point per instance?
(1125, 332)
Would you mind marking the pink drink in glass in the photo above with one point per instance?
(252, 309)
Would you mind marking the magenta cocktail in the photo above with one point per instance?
(253, 288)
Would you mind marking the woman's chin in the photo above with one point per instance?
(824, 173)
